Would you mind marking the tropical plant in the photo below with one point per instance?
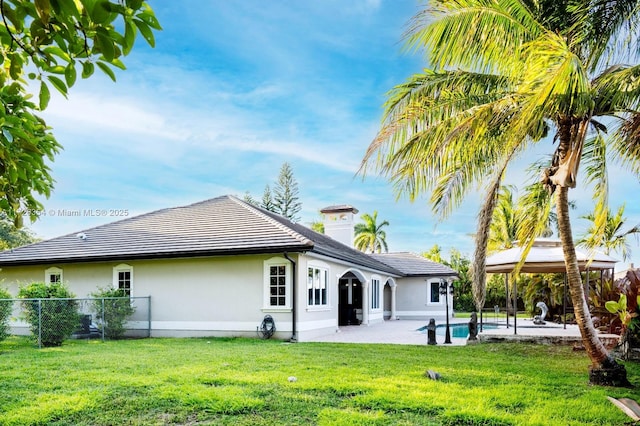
(627, 308)
(51, 312)
(547, 288)
(434, 254)
(613, 239)
(505, 73)
(462, 296)
(6, 308)
(369, 236)
(113, 307)
(318, 226)
(505, 221)
(49, 43)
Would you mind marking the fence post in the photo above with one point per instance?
(39, 323)
(102, 319)
(149, 316)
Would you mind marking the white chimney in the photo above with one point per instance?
(339, 223)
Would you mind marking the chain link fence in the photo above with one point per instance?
(51, 321)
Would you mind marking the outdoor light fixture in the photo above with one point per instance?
(446, 289)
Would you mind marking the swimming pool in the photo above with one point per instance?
(459, 330)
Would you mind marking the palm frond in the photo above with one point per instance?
(554, 81)
(605, 31)
(617, 90)
(535, 208)
(625, 144)
(482, 35)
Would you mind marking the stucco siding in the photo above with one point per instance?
(83, 279)
(413, 300)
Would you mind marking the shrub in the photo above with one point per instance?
(114, 311)
(6, 307)
(52, 318)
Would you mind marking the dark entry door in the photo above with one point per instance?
(349, 301)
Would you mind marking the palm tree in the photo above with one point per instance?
(369, 235)
(613, 238)
(504, 223)
(505, 74)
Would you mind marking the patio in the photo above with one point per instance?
(406, 332)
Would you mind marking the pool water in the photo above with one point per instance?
(459, 330)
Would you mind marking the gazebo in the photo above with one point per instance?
(545, 256)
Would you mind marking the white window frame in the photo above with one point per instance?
(53, 271)
(123, 267)
(266, 302)
(375, 293)
(430, 285)
(324, 271)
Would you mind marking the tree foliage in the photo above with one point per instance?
(267, 199)
(286, 194)
(113, 307)
(6, 309)
(434, 254)
(462, 294)
(47, 44)
(318, 226)
(51, 312)
(369, 236)
(11, 236)
(613, 237)
(504, 74)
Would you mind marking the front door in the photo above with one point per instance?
(349, 301)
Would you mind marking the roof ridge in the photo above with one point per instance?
(279, 225)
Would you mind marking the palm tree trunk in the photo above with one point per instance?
(604, 369)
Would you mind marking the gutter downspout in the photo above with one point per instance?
(294, 304)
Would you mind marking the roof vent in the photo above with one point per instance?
(81, 236)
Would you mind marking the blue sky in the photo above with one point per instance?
(234, 89)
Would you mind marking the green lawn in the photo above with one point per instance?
(244, 381)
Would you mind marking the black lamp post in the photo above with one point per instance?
(445, 289)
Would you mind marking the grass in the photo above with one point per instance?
(246, 382)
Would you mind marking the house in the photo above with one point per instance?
(217, 267)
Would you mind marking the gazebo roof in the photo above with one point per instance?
(546, 256)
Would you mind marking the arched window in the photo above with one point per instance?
(123, 278)
(53, 275)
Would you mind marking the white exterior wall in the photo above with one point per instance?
(218, 296)
(413, 300)
(222, 296)
(314, 320)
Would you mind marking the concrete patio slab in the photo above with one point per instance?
(406, 332)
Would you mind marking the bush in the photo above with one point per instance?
(6, 307)
(114, 311)
(51, 320)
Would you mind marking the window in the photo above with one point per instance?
(123, 278)
(277, 284)
(434, 294)
(375, 294)
(317, 282)
(53, 275)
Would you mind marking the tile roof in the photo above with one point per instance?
(219, 226)
(339, 208)
(413, 265)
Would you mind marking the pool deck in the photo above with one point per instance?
(405, 332)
